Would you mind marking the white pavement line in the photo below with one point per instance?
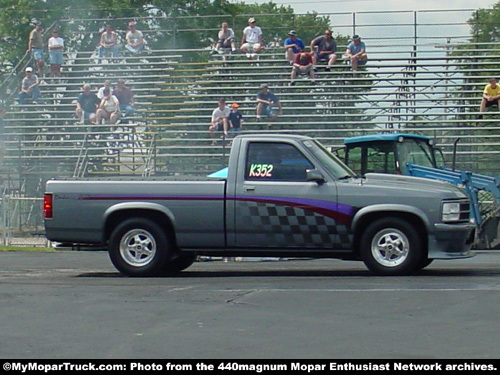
(367, 290)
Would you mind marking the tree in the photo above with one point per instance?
(172, 20)
(479, 61)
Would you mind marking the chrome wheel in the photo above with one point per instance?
(138, 247)
(390, 247)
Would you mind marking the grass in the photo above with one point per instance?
(38, 249)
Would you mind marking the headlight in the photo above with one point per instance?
(455, 211)
(451, 212)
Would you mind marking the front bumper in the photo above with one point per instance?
(451, 241)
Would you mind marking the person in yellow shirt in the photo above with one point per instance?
(491, 96)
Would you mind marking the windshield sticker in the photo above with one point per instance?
(261, 170)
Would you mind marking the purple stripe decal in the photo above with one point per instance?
(152, 198)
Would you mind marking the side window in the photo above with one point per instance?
(270, 161)
(380, 158)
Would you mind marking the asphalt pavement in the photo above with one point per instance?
(74, 304)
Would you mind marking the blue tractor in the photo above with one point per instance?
(415, 155)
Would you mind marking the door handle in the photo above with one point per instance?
(249, 188)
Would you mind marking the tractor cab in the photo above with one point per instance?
(390, 153)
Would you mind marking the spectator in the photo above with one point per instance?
(35, 46)
(265, 102)
(134, 39)
(109, 43)
(356, 52)
(100, 92)
(109, 108)
(56, 47)
(303, 64)
(235, 118)
(220, 118)
(225, 39)
(293, 46)
(491, 96)
(125, 97)
(86, 105)
(251, 43)
(326, 47)
(29, 87)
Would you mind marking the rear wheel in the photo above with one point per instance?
(425, 262)
(179, 263)
(391, 246)
(139, 247)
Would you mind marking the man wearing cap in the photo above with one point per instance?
(326, 49)
(235, 118)
(251, 43)
(266, 100)
(293, 45)
(356, 52)
(134, 40)
(35, 46)
(29, 87)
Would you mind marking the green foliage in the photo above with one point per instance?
(177, 24)
(485, 27)
(484, 30)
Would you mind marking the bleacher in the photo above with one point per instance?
(45, 138)
(432, 94)
(419, 88)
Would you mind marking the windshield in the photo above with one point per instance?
(329, 161)
(415, 151)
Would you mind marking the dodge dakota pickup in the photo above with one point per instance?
(283, 196)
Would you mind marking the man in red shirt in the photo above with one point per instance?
(125, 97)
(303, 64)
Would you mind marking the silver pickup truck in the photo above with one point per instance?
(283, 196)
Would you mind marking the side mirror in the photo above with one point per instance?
(315, 175)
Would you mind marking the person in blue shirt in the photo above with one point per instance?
(293, 45)
(267, 103)
(356, 52)
(235, 118)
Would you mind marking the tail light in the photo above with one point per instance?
(47, 206)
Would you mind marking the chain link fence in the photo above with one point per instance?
(21, 222)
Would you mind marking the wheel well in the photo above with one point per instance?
(158, 217)
(367, 219)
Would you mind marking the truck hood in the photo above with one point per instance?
(400, 182)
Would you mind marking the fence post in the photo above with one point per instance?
(353, 23)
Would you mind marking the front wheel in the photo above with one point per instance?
(391, 246)
(139, 247)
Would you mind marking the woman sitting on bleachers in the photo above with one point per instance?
(109, 108)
